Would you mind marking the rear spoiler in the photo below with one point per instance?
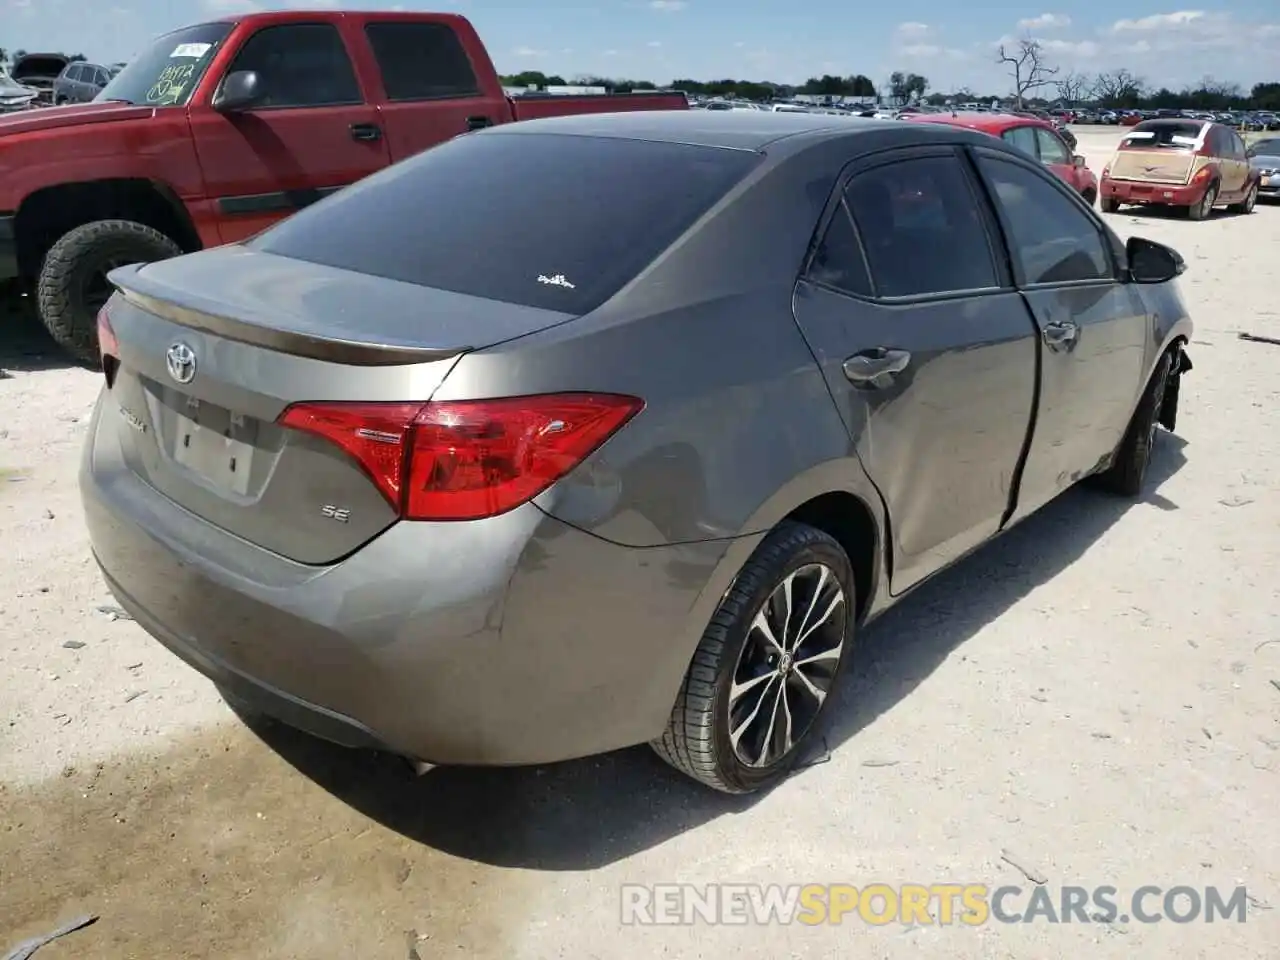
(146, 296)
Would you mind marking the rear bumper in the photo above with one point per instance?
(514, 640)
(1133, 191)
(8, 248)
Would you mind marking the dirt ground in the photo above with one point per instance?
(1095, 696)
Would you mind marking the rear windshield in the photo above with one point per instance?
(545, 220)
(1176, 136)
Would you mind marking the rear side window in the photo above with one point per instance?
(421, 61)
(1052, 239)
(921, 228)
(300, 65)
(838, 262)
(556, 222)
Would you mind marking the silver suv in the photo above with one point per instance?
(80, 82)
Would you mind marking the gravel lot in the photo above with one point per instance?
(1096, 695)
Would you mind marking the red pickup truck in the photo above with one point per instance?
(218, 130)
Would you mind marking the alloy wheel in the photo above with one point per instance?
(787, 666)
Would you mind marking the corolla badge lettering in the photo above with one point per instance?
(557, 281)
(180, 361)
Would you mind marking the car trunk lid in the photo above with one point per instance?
(211, 349)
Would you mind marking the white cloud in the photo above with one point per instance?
(1076, 48)
(1159, 21)
(655, 44)
(529, 53)
(224, 7)
(667, 6)
(1046, 21)
(912, 28)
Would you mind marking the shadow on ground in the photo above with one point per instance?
(584, 814)
(25, 346)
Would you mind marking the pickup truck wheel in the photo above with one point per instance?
(766, 665)
(1128, 471)
(1109, 205)
(73, 283)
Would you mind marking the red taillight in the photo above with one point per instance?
(467, 459)
(108, 347)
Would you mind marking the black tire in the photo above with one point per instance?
(698, 741)
(72, 286)
(1246, 205)
(1204, 209)
(1109, 205)
(1090, 197)
(1128, 471)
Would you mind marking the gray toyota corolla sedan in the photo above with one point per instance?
(592, 431)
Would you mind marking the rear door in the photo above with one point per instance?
(1093, 325)
(430, 89)
(1235, 158)
(928, 350)
(313, 134)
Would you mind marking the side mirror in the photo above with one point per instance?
(1251, 153)
(1151, 262)
(1077, 160)
(239, 91)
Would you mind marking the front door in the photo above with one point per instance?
(1057, 156)
(313, 133)
(1093, 326)
(928, 350)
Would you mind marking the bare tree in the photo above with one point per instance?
(1027, 67)
(1072, 87)
(1119, 88)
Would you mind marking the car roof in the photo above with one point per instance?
(735, 130)
(994, 123)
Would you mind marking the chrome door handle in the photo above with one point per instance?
(1060, 334)
(877, 367)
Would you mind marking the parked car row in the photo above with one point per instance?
(1248, 121)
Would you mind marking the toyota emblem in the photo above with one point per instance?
(181, 363)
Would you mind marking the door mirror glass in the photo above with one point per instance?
(1077, 160)
(240, 91)
(1151, 262)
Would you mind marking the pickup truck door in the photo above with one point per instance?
(427, 87)
(313, 133)
(927, 349)
(1093, 326)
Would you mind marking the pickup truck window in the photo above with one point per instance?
(421, 61)
(167, 72)
(300, 65)
(536, 219)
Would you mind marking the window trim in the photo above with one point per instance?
(892, 156)
(376, 21)
(361, 100)
(1020, 281)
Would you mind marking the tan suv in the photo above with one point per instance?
(1193, 164)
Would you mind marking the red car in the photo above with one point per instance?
(1035, 137)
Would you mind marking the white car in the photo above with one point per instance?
(13, 95)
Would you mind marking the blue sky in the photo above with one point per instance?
(951, 44)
